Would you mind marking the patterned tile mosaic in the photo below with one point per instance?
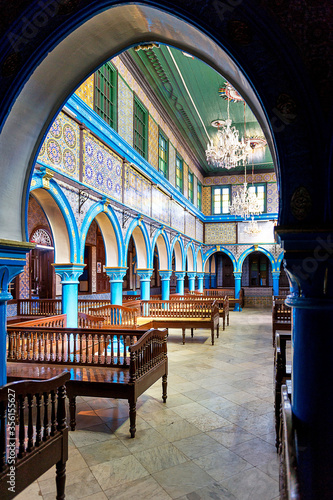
(36, 216)
(272, 198)
(160, 206)
(185, 180)
(125, 112)
(220, 233)
(60, 149)
(190, 225)
(91, 234)
(177, 216)
(86, 91)
(238, 179)
(206, 200)
(137, 191)
(172, 164)
(199, 230)
(152, 142)
(102, 168)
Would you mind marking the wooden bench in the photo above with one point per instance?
(102, 363)
(116, 315)
(289, 480)
(180, 314)
(281, 316)
(282, 376)
(230, 292)
(223, 303)
(34, 434)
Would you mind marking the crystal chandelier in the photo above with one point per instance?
(230, 150)
(252, 227)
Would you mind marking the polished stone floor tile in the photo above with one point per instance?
(118, 471)
(160, 457)
(146, 488)
(197, 446)
(252, 484)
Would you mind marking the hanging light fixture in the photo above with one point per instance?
(229, 150)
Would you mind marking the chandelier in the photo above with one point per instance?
(229, 150)
(252, 227)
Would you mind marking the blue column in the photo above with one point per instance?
(165, 281)
(69, 274)
(180, 276)
(191, 281)
(12, 262)
(213, 280)
(116, 275)
(145, 276)
(276, 278)
(207, 280)
(309, 265)
(200, 281)
(238, 285)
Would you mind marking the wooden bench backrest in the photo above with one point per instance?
(59, 320)
(281, 312)
(116, 315)
(31, 432)
(179, 309)
(38, 307)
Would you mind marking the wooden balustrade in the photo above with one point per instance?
(149, 352)
(281, 316)
(60, 320)
(116, 315)
(71, 346)
(90, 321)
(174, 309)
(38, 307)
(34, 435)
(85, 304)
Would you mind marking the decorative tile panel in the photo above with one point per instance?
(190, 225)
(125, 112)
(177, 216)
(102, 169)
(153, 142)
(160, 206)
(238, 179)
(137, 191)
(86, 91)
(272, 198)
(220, 233)
(206, 200)
(36, 216)
(199, 230)
(91, 234)
(185, 180)
(60, 149)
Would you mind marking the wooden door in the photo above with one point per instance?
(102, 280)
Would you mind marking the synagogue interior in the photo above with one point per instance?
(166, 294)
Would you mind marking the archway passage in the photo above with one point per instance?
(224, 271)
(257, 280)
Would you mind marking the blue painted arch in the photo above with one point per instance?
(222, 249)
(164, 260)
(178, 257)
(64, 228)
(138, 230)
(257, 249)
(190, 246)
(111, 232)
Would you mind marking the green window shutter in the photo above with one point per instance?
(105, 95)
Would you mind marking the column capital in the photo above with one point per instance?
(145, 274)
(116, 274)
(69, 273)
(191, 275)
(276, 274)
(180, 275)
(165, 274)
(238, 274)
(200, 275)
(12, 262)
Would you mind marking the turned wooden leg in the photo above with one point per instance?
(223, 324)
(228, 320)
(132, 415)
(164, 387)
(72, 412)
(183, 336)
(60, 480)
(218, 331)
(192, 333)
(212, 334)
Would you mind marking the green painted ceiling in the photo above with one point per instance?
(199, 105)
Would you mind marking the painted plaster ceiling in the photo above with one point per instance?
(189, 91)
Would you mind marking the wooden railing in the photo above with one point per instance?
(85, 304)
(72, 346)
(282, 371)
(90, 321)
(116, 315)
(38, 307)
(221, 292)
(60, 320)
(175, 309)
(289, 482)
(34, 435)
(148, 352)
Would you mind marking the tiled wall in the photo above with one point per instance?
(153, 142)
(137, 191)
(125, 112)
(219, 233)
(206, 200)
(86, 91)
(258, 297)
(102, 169)
(62, 145)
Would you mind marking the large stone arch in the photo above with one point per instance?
(256, 249)
(216, 249)
(224, 39)
(61, 220)
(199, 261)
(163, 249)
(190, 262)
(138, 230)
(111, 232)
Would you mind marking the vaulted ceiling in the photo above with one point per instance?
(189, 91)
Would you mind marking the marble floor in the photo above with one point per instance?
(213, 439)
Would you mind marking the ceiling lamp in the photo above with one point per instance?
(252, 227)
(229, 150)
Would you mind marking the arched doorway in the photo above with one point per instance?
(224, 271)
